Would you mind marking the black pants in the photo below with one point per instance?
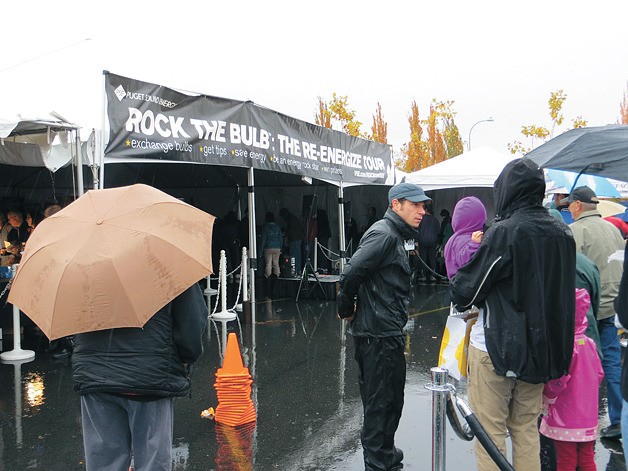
(428, 254)
(382, 378)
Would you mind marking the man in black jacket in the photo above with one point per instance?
(128, 379)
(374, 297)
(523, 280)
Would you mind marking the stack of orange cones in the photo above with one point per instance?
(233, 388)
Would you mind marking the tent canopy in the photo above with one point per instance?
(19, 126)
(35, 154)
(477, 168)
(36, 142)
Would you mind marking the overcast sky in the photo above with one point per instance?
(493, 58)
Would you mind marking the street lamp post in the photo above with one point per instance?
(481, 121)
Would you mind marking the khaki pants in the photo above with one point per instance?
(271, 257)
(504, 405)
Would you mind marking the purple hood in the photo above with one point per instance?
(469, 216)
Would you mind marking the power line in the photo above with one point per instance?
(44, 55)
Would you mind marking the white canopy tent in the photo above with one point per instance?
(39, 160)
(476, 168)
(37, 142)
(470, 174)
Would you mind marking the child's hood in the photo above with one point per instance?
(469, 215)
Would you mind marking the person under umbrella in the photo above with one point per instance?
(128, 379)
(119, 269)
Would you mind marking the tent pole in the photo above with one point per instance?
(101, 147)
(252, 237)
(79, 164)
(341, 223)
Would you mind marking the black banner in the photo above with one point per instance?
(156, 122)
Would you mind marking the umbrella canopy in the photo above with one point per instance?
(610, 208)
(560, 181)
(599, 150)
(111, 259)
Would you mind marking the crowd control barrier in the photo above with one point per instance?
(444, 396)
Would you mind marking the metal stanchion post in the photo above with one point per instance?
(439, 400)
(441, 390)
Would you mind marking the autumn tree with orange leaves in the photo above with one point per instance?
(414, 152)
(379, 129)
(338, 110)
(442, 138)
(431, 140)
(323, 115)
(623, 110)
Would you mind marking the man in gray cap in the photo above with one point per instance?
(373, 298)
(598, 240)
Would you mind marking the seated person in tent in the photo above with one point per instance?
(33, 217)
(13, 237)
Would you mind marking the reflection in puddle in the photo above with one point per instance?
(34, 389)
(235, 447)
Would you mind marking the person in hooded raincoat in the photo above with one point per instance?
(523, 279)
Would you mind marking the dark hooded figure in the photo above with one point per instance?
(522, 278)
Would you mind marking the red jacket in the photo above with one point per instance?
(619, 224)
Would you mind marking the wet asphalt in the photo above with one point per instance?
(305, 393)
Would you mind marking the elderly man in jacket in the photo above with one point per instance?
(600, 240)
(128, 379)
(374, 297)
(522, 278)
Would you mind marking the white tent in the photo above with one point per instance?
(470, 174)
(37, 142)
(477, 168)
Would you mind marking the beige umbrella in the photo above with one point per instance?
(610, 208)
(110, 259)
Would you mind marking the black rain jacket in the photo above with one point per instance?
(523, 276)
(147, 361)
(379, 274)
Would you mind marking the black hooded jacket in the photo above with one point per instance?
(379, 274)
(523, 276)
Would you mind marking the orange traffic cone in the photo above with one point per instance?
(232, 364)
(233, 388)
